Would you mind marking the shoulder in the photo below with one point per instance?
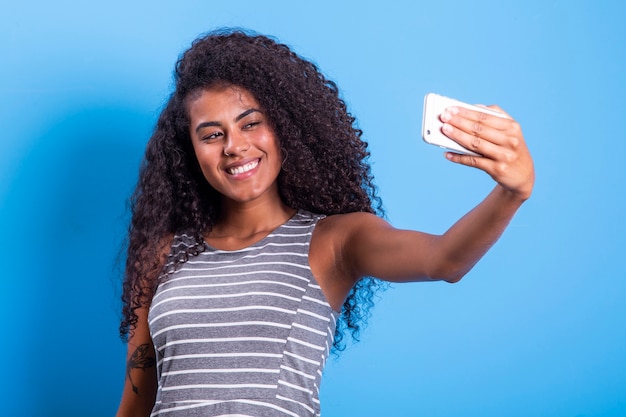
(349, 224)
(342, 234)
(330, 253)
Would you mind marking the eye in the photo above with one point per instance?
(212, 136)
(250, 125)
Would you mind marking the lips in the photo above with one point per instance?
(242, 169)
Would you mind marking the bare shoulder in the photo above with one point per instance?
(340, 232)
(340, 225)
(329, 252)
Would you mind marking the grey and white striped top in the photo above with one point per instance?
(245, 332)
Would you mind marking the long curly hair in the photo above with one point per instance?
(325, 169)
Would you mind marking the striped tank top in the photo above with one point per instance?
(244, 332)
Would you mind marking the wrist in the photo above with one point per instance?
(513, 197)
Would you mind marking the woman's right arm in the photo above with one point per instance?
(140, 385)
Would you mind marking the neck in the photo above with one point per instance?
(243, 221)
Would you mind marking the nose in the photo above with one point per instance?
(235, 144)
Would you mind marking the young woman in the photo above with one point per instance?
(255, 232)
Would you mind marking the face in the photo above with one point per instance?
(234, 143)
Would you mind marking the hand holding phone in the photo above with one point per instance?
(434, 105)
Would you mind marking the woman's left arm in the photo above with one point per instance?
(372, 247)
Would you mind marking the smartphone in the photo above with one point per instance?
(434, 105)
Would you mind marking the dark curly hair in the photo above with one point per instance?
(325, 167)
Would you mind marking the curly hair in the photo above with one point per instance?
(325, 167)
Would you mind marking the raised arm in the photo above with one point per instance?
(370, 246)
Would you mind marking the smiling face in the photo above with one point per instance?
(234, 143)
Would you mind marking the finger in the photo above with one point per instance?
(496, 108)
(483, 143)
(480, 128)
(468, 160)
(498, 120)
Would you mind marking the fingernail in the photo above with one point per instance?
(453, 110)
(447, 128)
(446, 116)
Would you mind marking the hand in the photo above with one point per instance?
(499, 141)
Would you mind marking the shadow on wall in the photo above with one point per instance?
(66, 208)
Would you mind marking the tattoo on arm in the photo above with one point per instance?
(140, 359)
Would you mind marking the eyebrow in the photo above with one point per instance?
(238, 118)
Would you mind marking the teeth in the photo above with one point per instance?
(244, 168)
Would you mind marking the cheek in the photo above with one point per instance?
(207, 165)
(210, 178)
(273, 145)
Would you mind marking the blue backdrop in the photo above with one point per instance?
(536, 329)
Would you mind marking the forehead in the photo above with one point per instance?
(221, 97)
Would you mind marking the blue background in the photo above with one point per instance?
(536, 329)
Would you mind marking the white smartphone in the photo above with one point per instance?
(434, 105)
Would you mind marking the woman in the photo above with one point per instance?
(254, 232)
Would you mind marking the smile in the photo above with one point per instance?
(243, 168)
